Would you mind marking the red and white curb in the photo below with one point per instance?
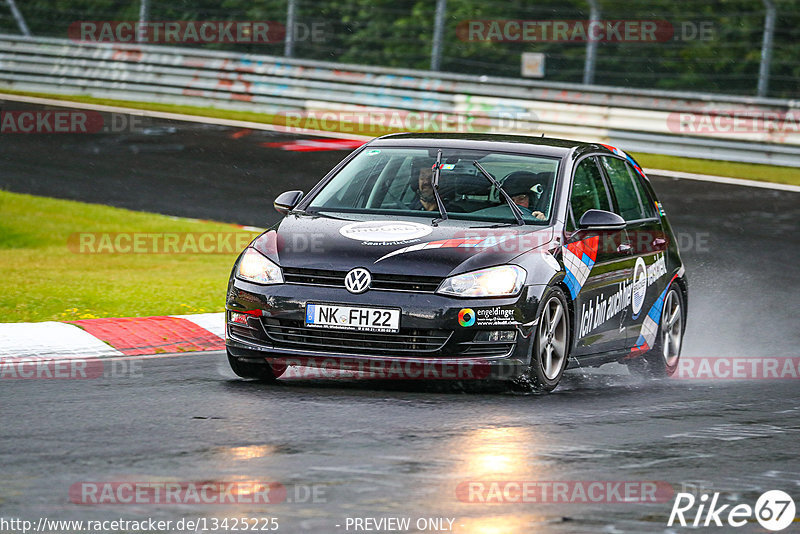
(109, 338)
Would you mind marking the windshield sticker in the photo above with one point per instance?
(448, 167)
(384, 231)
(579, 258)
(477, 242)
(373, 152)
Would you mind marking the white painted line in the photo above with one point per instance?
(50, 340)
(723, 180)
(181, 117)
(213, 322)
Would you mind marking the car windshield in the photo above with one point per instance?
(399, 181)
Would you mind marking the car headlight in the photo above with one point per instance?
(500, 281)
(255, 267)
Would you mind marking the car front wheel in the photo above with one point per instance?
(551, 346)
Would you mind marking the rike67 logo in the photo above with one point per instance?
(774, 510)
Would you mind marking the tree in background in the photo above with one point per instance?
(398, 33)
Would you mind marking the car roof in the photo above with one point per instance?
(522, 144)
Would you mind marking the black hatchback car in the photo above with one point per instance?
(464, 256)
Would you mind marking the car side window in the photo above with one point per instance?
(647, 203)
(628, 203)
(588, 191)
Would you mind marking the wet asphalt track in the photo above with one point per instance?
(399, 449)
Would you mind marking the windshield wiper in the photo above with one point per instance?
(514, 208)
(435, 184)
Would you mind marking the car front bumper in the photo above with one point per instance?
(431, 344)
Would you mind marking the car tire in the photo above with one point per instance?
(256, 371)
(662, 360)
(550, 352)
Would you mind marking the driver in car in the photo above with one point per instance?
(520, 186)
(425, 200)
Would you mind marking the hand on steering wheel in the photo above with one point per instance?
(535, 214)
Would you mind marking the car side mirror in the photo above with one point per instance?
(601, 220)
(287, 201)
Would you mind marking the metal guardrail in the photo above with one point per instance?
(639, 121)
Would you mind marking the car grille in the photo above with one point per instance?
(389, 282)
(408, 342)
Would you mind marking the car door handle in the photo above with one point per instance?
(659, 242)
(624, 248)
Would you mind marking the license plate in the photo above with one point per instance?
(353, 318)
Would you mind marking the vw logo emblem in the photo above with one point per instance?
(357, 280)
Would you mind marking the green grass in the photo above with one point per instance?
(768, 173)
(43, 278)
(750, 171)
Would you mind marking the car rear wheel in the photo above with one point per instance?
(257, 371)
(551, 346)
(662, 360)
